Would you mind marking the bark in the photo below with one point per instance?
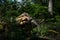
(50, 7)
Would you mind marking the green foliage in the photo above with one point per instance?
(37, 11)
(1, 26)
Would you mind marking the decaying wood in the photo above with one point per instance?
(25, 17)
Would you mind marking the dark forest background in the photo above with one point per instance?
(49, 29)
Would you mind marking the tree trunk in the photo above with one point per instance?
(50, 7)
